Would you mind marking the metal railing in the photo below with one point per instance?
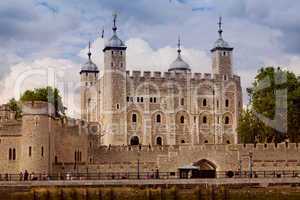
(145, 175)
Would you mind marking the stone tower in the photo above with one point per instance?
(88, 77)
(221, 55)
(37, 141)
(114, 90)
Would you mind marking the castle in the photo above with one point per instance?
(155, 108)
(152, 120)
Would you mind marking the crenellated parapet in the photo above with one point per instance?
(157, 75)
(38, 108)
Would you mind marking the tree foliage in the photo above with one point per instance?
(47, 94)
(270, 90)
(14, 106)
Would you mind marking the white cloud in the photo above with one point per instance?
(141, 56)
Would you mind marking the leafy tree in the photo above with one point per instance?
(264, 100)
(14, 106)
(47, 94)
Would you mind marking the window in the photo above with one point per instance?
(182, 119)
(182, 102)
(138, 99)
(118, 106)
(10, 154)
(205, 141)
(55, 160)
(225, 77)
(30, 151)
(154, 99)
(226, 103)
(121, 53)
(151, 100)
(182, 141)
(127, 99)
(224, 53)
(228, 142)
(142, 99)
(158, 141)
(121, 65)
(204, 120)
(226, 120)
(195, 118)
(112, 52)
(14, 154)
(42, 151)
(134, 118)
(158, 118)
(204, 103)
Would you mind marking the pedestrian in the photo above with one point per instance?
(26, 175)
(21, 176)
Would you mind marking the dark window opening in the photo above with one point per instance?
(154, 99)
(182, 119)
(205, 141)
(150, 99)
(204, 103)
(138, 99)
(10, 154)
(30, 151)
(142, 99)
(228, 142)
(182, 102)
(42, 151)
(204, 120)
(226, 103)
(134, 118)
(158, 118)
(226, 120)
(158, 141)
(134, 140)
(182, 141)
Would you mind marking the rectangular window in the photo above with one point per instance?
(127, 99)
(154, 99)
(150, 99)
(42, 151)
(9, 154)
(14, 154)
(142, 99)
(138, 99)
(29, 151)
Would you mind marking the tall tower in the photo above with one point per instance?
(88, 77)
(222, 55)
(114, 90)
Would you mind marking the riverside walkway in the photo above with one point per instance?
(220, 181)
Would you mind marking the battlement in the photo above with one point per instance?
(38, 108)
(167, 75)
(207, 147)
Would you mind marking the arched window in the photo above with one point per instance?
(134, 118)
(204, 102)
(226, 103)
(150, 99)
(158, 141)
(134, 140)
(204, 120)
(182, 119)
(226, 120)
(158, 118)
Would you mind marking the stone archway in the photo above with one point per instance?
(134, 140)
(207, 169)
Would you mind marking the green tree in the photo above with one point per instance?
(268, 82)
(14, 106)
(47, 94)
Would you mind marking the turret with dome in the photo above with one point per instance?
(179, 65)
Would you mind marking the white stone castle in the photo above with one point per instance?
(162, 108)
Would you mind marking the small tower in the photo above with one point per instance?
(114, 90)
(179, 65)
(88, 77)
(222, 55)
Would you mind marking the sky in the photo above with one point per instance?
(45, 41)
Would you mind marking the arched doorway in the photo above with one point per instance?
(207, 169)
(159, 141)
(134, 140)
